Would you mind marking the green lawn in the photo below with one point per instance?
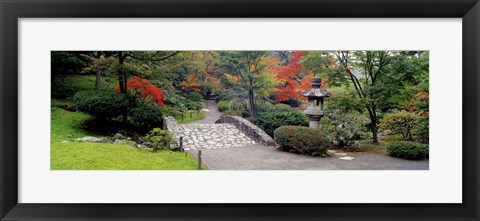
(97, 156)
(71, 84)
(66, 125)
(86, 82)
(187, 119)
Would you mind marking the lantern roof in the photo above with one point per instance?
(316, 91)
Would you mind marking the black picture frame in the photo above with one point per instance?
(11, 11)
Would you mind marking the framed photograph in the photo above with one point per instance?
(199, 110)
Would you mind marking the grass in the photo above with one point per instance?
(67, 86)
(187, 119)
(380, 147)
(368, 146)
(98, 156)
(86, 82)
(67, 126)
(60, 102)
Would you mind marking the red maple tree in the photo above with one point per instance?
(292, 84)
(145, 90)
(288, 75)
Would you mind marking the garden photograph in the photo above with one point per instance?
(239, 110)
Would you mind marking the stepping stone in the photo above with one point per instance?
(347, 158)
(340, 154)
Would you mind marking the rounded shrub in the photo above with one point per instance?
(275, 116)
(303, 140)
(101, 104)
(408, 150)
(268, 107)
(146, 117)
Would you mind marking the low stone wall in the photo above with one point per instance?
(170, 123)
(251, 130)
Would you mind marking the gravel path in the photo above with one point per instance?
(211, 115)
(226, 151)
(258, 157)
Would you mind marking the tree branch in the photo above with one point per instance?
(153, 56)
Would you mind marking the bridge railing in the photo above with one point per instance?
(250, 129)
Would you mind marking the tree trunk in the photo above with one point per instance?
(97, 80)
(252, 105)
(373, 121)
(374, 131)
(122, 83)
(251, 97)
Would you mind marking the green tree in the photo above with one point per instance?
(99, 62)
(246, 66)
(382, 79)
(366, 70)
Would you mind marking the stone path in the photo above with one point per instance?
(205, 134)
(212, 136)
(211, 114)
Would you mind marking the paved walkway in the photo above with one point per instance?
(224, 147)
(212, 136)
(258, 157)
(205, 134)
(211, 114)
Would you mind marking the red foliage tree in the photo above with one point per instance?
(288, 75)
(145, 90)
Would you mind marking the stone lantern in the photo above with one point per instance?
(315, 97)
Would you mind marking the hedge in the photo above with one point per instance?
(408, 150)
(146, 117)
(302, 140)
(101, 104)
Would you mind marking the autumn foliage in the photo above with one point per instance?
(420, 99)
(292, 85)
(288, 75)
(146, 90)
(191, 83)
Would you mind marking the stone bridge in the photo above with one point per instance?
(215, 132)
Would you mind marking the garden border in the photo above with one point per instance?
(11, 11)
